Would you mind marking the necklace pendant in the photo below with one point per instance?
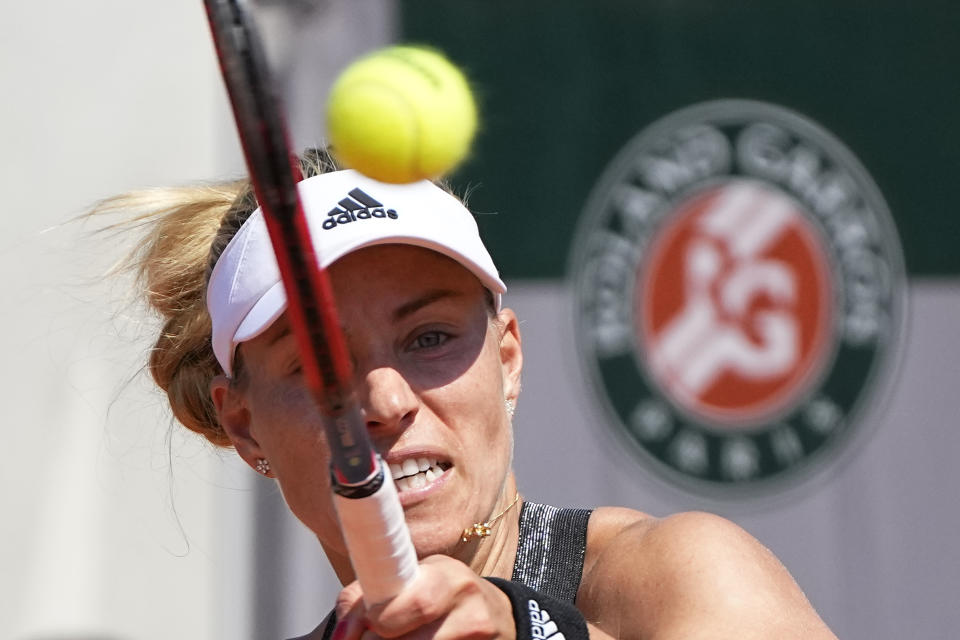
(479, 530)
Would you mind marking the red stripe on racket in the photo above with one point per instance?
(370, 513)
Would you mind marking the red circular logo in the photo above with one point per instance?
(734, 304)
(738, 284)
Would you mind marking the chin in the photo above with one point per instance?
(430, 540)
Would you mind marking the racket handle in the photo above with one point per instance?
(378, 541)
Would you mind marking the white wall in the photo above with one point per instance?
(115, 522)
(107, 526)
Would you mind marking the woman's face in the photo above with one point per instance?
(432, 369)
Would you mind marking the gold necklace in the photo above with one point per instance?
(483, 529)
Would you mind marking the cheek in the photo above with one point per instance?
(281, 415)
(310, 499)
(500, 428)
(287, 426)
(480, 398)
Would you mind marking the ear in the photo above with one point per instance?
(233, 415)
(511, 353)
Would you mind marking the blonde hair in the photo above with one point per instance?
(185, 231)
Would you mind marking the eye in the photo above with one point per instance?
(429, 340)
(294, 371)
(293, 366)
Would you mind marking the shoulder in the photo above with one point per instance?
(682, 546)
(689, 574)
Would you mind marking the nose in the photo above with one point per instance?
(389, 404)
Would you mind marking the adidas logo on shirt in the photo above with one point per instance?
(356, 206)
(541, 626)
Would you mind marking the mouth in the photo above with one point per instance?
(417, 473)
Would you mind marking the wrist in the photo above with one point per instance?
(537, 616)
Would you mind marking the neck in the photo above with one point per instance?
(495, 554)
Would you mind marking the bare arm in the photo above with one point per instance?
(692, 575)
(689, 576)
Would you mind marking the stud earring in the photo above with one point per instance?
(263, 466)
(510, 407)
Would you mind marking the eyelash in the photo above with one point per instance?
(441, 339)
(437, 338)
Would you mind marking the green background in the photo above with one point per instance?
(564, 85)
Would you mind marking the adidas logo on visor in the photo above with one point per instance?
(358, 205)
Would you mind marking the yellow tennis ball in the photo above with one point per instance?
(401, 114)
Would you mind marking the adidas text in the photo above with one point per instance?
(541, 626)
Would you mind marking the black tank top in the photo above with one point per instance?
(550, 551)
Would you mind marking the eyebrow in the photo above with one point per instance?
(286, 331)
(426, 299)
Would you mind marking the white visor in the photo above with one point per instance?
(345, 211)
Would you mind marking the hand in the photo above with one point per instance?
(447, 600)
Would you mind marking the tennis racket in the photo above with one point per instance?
(371, 517)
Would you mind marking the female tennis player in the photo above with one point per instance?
(437, 363)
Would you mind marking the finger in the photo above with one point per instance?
(348, 599)
(469, 618)
(351, 614)
(486, 612)
(422, 602)
(351, 627)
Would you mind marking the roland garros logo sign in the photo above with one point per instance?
(738, 284)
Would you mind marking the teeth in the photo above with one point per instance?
(410, 467)
(415, 473)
